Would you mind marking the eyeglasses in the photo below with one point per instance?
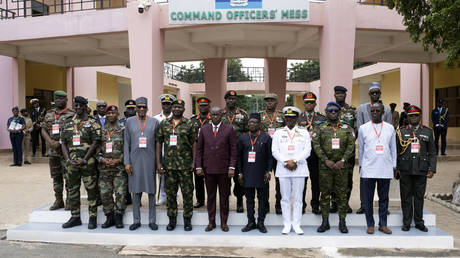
(166, 103)
(310, 102)
(333, 110)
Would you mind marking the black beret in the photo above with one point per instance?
(340, 88)
(255, 115)
(230, 93)
(81, 100)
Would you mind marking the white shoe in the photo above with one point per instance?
(298, 230)
(286, 230)
(161, 202)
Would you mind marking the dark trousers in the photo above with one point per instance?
(212, 182)
(16, 143)
(250, 195)
(313, 167)
(440, 131)
(383, 186)
(277, 191)
(412, 189)
(238, 190)
(199, 188)
(35, 142)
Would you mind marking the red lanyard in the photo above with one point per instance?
(175, 125)
(255, 140)
(233, 117)
(310, 121)
(110, 133)
(335, 129)
(375, 130)
(268, 117)
(76, 129)
(289, 134)
(202, 122)
(56, 117)
(140, 125)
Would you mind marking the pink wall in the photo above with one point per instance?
(8, 86)
(275, 78)
(216, 80)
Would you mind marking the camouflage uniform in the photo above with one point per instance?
(239, 120)
(89, 131)
(331, 180)
(272, 120)
(310, 122)
(177, 162)
(198, 122)
(112, 180)
(56, 160)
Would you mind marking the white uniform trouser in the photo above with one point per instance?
(291, 187)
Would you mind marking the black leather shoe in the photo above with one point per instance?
(278, 211)
(360, 210)
(119, 221)
(261, 227)
(405, 228)
(92, 224)
(343, 226)
(316, 211)
(153, 226)
(72, 222)
(333, 208)
(129, 199)
(324, 226)
(349, 210)
(172, 224)
(188, 224)
(239, 205)
(27, 162)
(421, 228)
(198, 205)
(135, 226)
(109, 222)
(250, 226)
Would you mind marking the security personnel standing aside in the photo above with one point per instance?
(166, 106)
(309, 120)
(37, 113)
(347, 115)
(272, 119)
(334, 143)
(80, 136)
(203, 118)
(178, 136)
(112, 178)
(238, 118)
(254, 164)
(416, 163)
(130, 110)
(440, 118)
(51, 128)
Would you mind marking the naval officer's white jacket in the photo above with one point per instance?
(282, 151)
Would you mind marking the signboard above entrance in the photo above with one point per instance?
(237, 11)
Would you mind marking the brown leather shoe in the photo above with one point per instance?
(385, 230)
(370, 230)
(210, 227)
(224, 227)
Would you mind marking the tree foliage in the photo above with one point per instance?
(436, 23)
(235, 72)
(307, 71)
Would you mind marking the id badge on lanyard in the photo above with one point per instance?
(142, 142)
(173, 140)
(379, 149)
(252, 157)
(55, 129)
(108, 147)
(415, 146)
(76, 140)
(335, 143)
(271, 131)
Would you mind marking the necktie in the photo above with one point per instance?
(215, 131)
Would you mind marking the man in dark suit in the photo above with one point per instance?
(254, 164)
(37, 114)
(216, 160)
(440, 118)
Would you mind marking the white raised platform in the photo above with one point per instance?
(45, 226)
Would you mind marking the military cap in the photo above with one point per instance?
(81, 100)
(340, 88)
(130, 103)
(393, 104)
(141, 100)
(167, 98)
(374, 85)
(406, 104)
(291, 111)
(179, 102)
(60, 93)
(111, 108)
(32, 101)
(414, 110)
(101, 103)
(333, 104)
(230, 93)
(309, 96)
(271, 96)
(15, 108)
(203, 101)
(255, 116)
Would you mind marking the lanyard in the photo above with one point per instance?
(76, 129)
(233, 117)
(202, 122)
(310, 121)
(56, 117)
(335, 129)
(175, 125)
(413, 133)
(375, 130)
(110, 133)
(140, 125)
(289, 134)
(268, 117)
(255, 140)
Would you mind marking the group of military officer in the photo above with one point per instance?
(81, 149)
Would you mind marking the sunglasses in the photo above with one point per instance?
(310, 102)
(334, 110)
(375, 92)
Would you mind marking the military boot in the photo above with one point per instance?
(324, 226)
(92, 224)
(172, 224)
(72, 222)
(343, 226)
(58, 204)
(188, 224)
(119, 221)
(109, 222)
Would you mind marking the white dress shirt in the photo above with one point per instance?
(282, 145)
(374, 165)
(160, 117)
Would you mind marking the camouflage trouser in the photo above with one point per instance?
(113, 181)
(58, 174)
(174, 179)
(87, 174)
(333, 182)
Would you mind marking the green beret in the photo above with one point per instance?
(271, 96)
(60, 93)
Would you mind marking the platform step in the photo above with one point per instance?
(200, 217)
(53, 232)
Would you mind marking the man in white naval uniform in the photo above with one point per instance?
(166, 106)
(291, 147)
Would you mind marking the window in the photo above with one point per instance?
(451, 96)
